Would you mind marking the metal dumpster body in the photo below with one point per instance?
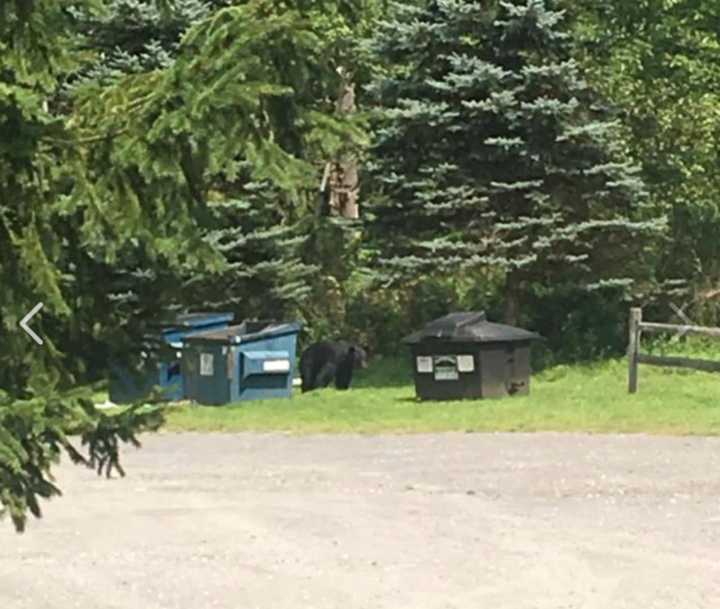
(462, 355)
(163, 368)
(252, 361)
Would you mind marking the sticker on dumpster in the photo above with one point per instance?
(424, 363)
(446, 368)
(276, 365)
(207, 364)
(465, 363)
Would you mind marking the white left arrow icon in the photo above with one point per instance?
(27, 318)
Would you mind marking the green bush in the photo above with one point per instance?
(578, 325)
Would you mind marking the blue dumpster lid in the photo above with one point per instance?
(246, 332)
(470, 327)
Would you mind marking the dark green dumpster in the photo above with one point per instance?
(463, 355)
(252, 361)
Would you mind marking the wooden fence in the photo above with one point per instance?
(638, 326)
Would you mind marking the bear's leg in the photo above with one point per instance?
(306, 376)
(343, 376)
(325, 376)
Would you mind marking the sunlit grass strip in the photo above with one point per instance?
(590, 399)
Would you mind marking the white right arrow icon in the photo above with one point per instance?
(27, 318)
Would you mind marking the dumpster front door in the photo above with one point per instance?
(208, 379)
(266, 374)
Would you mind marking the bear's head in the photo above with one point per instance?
(360, 357)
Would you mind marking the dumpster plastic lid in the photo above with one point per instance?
(246, 332)
(469, 327)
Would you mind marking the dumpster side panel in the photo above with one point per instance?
(496, 363)
(171, 380)
(520, 371)
(126, 386)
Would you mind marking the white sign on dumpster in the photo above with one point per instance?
(446, 368)
(276, 365)
(424, 363)
(465, 363)
(207, 364)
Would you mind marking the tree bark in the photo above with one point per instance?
(341, 181)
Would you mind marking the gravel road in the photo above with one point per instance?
(468, 521)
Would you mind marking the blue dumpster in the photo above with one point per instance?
(162, 368)
(252, 361)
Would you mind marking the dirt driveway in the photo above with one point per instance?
(398, 522)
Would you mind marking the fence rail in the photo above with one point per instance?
(638, 326)
(698, 330)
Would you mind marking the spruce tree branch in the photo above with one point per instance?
(85, 140)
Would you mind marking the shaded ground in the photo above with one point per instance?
(398, 522)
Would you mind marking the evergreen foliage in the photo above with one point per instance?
(161, 156)
(260, 229)
(106, 199)
(135, 36)
(492, 151)
(39, 410)
(660, 65)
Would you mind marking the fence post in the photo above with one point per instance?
(633, 347)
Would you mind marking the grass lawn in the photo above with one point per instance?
(591, 398)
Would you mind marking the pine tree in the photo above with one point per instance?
(261, 231)
(491, 152)
(135, 36)
(112, 185)
(246, 221)
(40, 410)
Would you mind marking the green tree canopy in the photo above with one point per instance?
(659, 64)
(492, 151)
(128, 166)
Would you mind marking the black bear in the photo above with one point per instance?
(327, 361)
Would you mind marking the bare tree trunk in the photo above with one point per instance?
(341, 179)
